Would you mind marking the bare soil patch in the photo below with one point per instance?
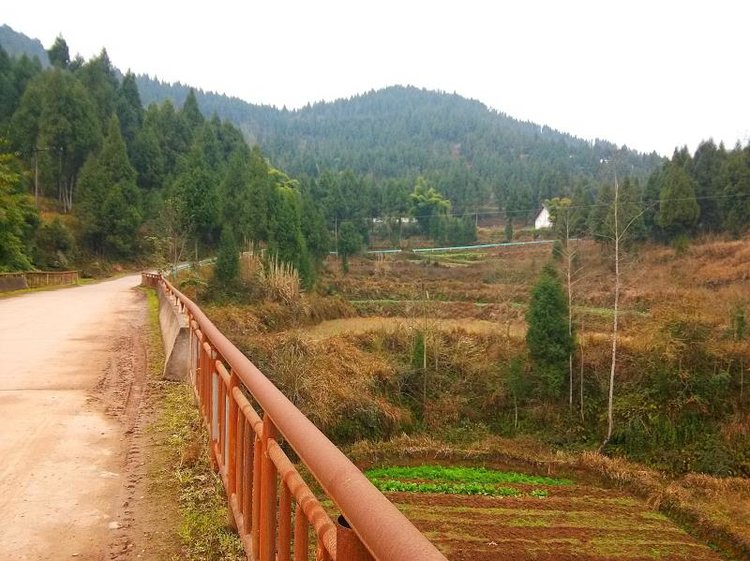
(575, 522)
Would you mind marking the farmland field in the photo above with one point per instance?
(552, 519)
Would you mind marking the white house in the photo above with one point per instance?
(542, 219)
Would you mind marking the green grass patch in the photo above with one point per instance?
(462, 257)
(458, 480)
(181, 463)
(463, 475)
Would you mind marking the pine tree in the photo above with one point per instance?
(191, 113)
(678, 208)
(148, 157)
(196, 188)
(706, 171)
(129, 110)
(350, 243)
(285, 239)
(100, 79)
(257, 200)
(548, 338)
(58, 53)
(56, 123)
(109, 199)
(228, 261)
(232, 192)
(314, 229)
(735, 177)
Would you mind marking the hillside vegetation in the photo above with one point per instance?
(438, 366)
(681, 396)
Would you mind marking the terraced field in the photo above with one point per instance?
(553, 520)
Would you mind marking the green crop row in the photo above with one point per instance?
(394, 485)
(463, 475)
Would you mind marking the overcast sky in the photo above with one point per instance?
(650, 74)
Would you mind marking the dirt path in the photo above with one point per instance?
(71, 384)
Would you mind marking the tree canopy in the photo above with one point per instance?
(547, 337)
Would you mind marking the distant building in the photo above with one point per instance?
(542, 219)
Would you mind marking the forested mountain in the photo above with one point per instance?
(475, 155)
(131, 163)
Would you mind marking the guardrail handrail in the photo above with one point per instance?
(220, 371)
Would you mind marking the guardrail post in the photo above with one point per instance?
(267, 494)
(348, 545)
(214, 380)
(256, 486)
(301, 540)
(231, 459)
(285, 523)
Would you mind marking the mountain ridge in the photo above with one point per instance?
(468, 149)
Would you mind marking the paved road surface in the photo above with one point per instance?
(66, 379)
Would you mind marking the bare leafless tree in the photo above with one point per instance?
(620, 229)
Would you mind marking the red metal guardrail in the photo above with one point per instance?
(248, 420)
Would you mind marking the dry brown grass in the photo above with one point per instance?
(281, 281)
(492, 451)
(716, 508)
(332, 382)
(359, 325)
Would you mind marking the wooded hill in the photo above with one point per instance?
(474, 155)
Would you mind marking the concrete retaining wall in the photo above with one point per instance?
(176, 337)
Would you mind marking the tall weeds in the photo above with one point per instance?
(281, 281)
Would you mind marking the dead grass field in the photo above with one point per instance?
(360, 325)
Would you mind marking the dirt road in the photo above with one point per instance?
(71, 380)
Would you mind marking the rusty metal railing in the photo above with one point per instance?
(151, 280)
(248, 420)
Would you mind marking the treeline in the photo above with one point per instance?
(476, 157)
(688, 195)
(112, 180)
(130, 183)
(678, 402)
